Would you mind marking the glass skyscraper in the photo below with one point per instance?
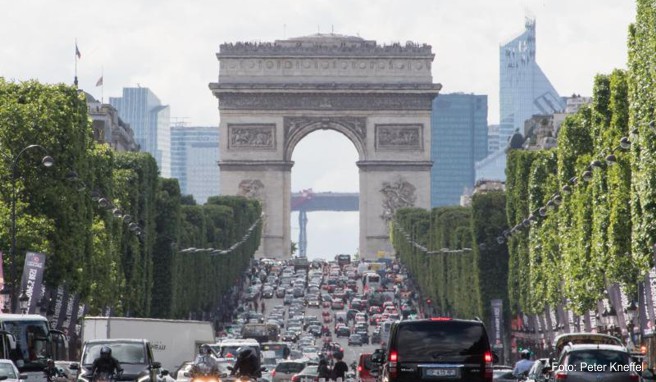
(459, 139)
(194, 160)
(150, 121)
(524, 90)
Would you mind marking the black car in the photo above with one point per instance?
(343, 331)
(435, 349)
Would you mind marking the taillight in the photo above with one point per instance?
(489, 370)
(359, 369)
(295, 378)
(561, 376)
(393, 363)
(273, 373)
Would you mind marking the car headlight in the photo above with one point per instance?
(143, 378)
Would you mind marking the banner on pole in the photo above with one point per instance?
(497, 323)
(33, 278)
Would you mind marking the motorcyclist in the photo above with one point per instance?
(523, 366)
(52, 372)
(205, 363)
(247, 364)
(106, 363)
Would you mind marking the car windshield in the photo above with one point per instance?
(7, 370)
(128, 353)
(431, 341)
(601, 359)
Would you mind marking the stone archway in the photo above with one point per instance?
(271, 95)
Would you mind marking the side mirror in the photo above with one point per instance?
(22, 376)
(74, 366)
(186, 374)
(230, 368)
(157, 365)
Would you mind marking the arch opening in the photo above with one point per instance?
(325, 184)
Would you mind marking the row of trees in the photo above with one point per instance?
(604, 172)
(453, 254)
(90, 250)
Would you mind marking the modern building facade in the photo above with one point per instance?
(493, 138)
(108, 127)
(150, 121)
(524, 89)
(459, 138)
(194, 160)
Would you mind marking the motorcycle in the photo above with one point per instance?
(204, 373)
(103, 377)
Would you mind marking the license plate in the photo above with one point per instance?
(441, 372)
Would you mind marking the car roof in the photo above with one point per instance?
(577, 347)
(584, 338)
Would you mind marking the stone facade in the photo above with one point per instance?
(272, 95)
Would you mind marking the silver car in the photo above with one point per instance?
(594, 363)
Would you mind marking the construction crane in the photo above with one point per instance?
(297, 203)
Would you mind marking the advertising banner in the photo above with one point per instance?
(32, 280)
(497, 323)
(4, 298)
(60, 307)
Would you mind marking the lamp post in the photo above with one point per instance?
(23, 300)
(46, 161)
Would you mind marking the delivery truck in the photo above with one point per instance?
(173, 341)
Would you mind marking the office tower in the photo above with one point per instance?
(524, 90)
(194, 160)
(459, 139)
(493, 138)
(150, 121)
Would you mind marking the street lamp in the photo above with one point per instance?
(23, 301)
(47, 162)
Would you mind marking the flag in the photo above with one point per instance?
(100, 81)
(77, 52)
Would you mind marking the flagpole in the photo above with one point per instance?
(102, 87)
(75, 55)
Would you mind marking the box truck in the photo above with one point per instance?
(173, 341)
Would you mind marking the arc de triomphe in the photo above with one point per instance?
(271, 95)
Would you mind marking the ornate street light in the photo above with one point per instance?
(23, 300)
(47, 161)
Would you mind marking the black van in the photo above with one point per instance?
(437, 349)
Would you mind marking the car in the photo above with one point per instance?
(309, 374)
(367, 371)
(286, 369)
(503, 373)
(342, 331)
(588, 362)
(313, 303)
(337, 304)
(437, 348)
(355, 339)
(8, 369)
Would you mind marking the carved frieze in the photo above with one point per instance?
(357, 125)
(252, 136)
(252, 189)
(300, 101)
(397, 194)
(399, 137)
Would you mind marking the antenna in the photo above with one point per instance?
(332, 29)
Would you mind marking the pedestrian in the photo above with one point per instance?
(323, 370)
(263, 307)
(340, 368)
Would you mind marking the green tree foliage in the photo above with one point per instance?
(90, 248)
(462, 267)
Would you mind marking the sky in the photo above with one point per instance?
(169, 46)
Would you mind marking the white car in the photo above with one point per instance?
(8, 369)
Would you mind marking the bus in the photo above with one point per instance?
(29, 342)
(261, 332)
(343, 260)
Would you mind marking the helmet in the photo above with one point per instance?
(245, 352)
(105, 352)
(526, 354)
(338, 354)
(204, 349)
